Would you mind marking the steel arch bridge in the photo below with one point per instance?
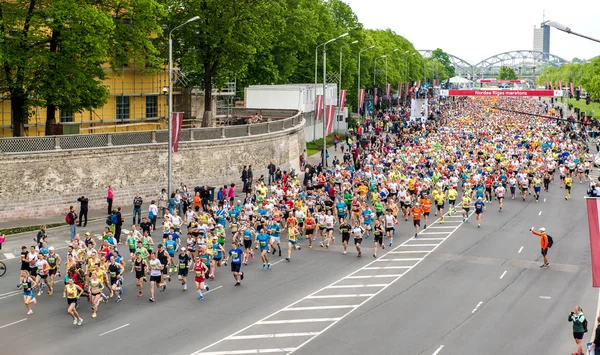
(526, 59)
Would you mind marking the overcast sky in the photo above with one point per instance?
(475, 30)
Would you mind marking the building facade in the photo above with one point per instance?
(541, 39)
(137, 101)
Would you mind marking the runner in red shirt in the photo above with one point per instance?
(200, 271)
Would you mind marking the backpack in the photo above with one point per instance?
(108, 220)
(114, 218)
(585, 325)
(68, 218)
(550, 241)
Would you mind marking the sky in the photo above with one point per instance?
(475, 30)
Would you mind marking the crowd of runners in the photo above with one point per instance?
(471, 157)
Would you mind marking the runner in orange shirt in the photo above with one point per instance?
(425, 203)
(416, 212)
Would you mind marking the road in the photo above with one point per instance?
(456, 289)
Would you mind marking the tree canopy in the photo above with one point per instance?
(586, 75)
(507, 73)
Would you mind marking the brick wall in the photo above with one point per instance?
(35, 185)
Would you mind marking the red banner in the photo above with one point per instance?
(375, 98)
(388, 91)
(342, 99)
(330, 114)
(399, 90)
(507, 93)
(176, 121)
(319, 109)
(361, 99)
(594, 225)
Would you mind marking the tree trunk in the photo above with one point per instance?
(50, 118)
(207, 119)
(19, 113)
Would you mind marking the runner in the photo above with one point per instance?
(466, 205)
(416, 212)
(27, 284)
(344, 229)
(479, 207)
(425, 203)
(72, 293)
(140, 266)
(378, 232)
(156, 268)
(357, 233)
(200, 272)
(235, 256)
(292, 242)
(264, 242)
(390, 222)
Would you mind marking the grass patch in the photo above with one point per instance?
(586, 108)
(17, 230)
(316, 147)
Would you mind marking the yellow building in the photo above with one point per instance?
(137, 102)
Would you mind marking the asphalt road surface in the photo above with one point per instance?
(456, 289)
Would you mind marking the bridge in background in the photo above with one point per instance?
(526, 63)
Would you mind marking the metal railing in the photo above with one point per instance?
(22, 145)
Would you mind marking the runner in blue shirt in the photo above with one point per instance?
(264, 243)
(479, 206)
(235, 255)
(341, 207)
(276, 236)
(367, 216)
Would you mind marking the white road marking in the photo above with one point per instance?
(213, 289)
(544, 200)
(317, 308)
(110, 331)
(303, 320)
(9, 256)
(545, 297)
(426, 238)
(502, 276)
(355, 286)
(10, 294)
(13, 323)
(520, 250)
(343, 296)
(423, 233)
(540, 213)
(409, 252)
(277, 262)
(443, 227)
(267, 336)
(438, 350)
(407, 259)
(250, 351)
(331, 321)
(476, 308)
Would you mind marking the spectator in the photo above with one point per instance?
(83, 210)
(578, 328)
(118, 225)
(172, 203)
(596, 342)
(244, 177)
(71, 219)
(162, 202)
(137, 207)
(231, 193)
(272, 169)
(153, 213)
(41, 236)
(197, 201)
(109, 199)
(204, 195)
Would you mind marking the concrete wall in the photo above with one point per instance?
(47, 183)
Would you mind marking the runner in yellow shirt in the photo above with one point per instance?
(452, 201)
(568, 184)
(440, 197)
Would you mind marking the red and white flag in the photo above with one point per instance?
(330, 114)
(593, 210)
(361, 98)
(342, 99)
(319, 108)
(176, 131)
(388, 91)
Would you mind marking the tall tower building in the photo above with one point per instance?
(541, 39)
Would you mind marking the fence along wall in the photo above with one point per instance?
(47, 183)
(275, 120)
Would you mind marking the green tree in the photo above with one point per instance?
(222, 44)
(444, 59)
(506, 73)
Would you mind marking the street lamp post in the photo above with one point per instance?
(561, 27)
(324, 158)
(340, 82)
(358, 92)
(170, 159)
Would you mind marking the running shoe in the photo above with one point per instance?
(30, 312)
(74, 321)
(200, 298)
(118, 299)
(237, 283)
(264, 266)
(80, 321)
(269, 266)
(34, 301)
(151, 299)
(94, 315)
(287, 259)
(242, 275)
(185, 287)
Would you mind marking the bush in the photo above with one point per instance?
(17, 230)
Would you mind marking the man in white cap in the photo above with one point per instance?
(544, 244)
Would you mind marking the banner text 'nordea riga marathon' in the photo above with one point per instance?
(505, 93)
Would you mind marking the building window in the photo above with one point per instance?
(66, 115)
(122, 107)
(151, 106)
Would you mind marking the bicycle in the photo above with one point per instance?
(2, 269)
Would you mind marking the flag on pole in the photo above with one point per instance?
(399, 90)
(319, 109)
(388, 91)
(375, 98)
(361, 99)
(572, 89)
(342, 100)
(593, 211)
(330, 113)
(176, 131)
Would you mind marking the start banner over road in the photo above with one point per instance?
(506, 93)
